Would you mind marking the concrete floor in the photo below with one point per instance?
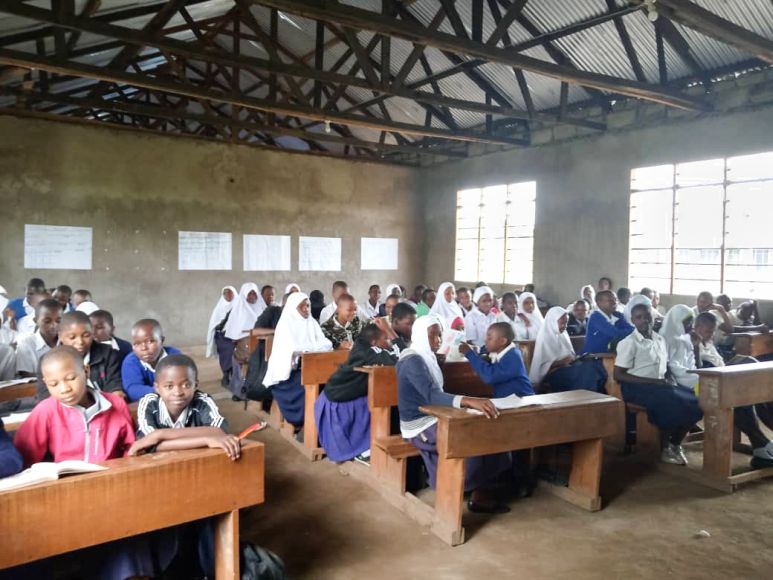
(327, 525)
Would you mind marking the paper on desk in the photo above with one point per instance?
(14, 418)
(509, 402)
(14, 382)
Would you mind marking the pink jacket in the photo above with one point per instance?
(63, 432)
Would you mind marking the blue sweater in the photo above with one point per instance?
(508, 375)
(602, 336)
(10, 459)
(17, 305)
(415, 388)
(137, 380)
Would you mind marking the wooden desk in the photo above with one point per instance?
(18, 391)
(79, 511)
(753, 343)
(721, 390)
(580, 417)
(316, 369)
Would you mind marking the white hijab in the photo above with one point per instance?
(87, 307)
(635, 301)
(592, 299)
(222, 308)
(294, 334)
(447, 311)
(289, 288)
(535, 316)
(420, 346)
(551, 346)
(673, 324)
(391, 288)
(243, 314)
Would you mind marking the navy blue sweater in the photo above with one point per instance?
(10, 459)
(602, 336)
(508, 376)
(137, 380)
(415, 388)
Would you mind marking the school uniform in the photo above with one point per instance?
(604, 332)
(327, 312)
(104, 367)
(269, 318)
(337, 333)
(341, 411)
(505, 372)
(29, 350)
(21, 308)
(476, 324)
(120, 346)
(369, 311)
(422, 309)
(575, 327)
(138, 376)
(202, 411)
(10, 460)
(534, 317)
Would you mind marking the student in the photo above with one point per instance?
(104, 368)
(138, 368)
(296, 333)
(428, 299)
(656, 304)
(606, 326)
(244, 312)
(747, 315)
(317, 300)
(341, 411)
(217, 342)
(30, 348)
(339, 287)
(373, 303)
(389, 306)
(403, 317)
(343, 328)
(538, 302)
(464, 296)
(554, 366)
(420, 382)
(633, 302)
(268, 293)
(10, 460)
(292, 287)
(393, 290)
(640, 368)
(80, 296)
(270, 317)
(20, 307)
(418, 290)
(87, 307)
(623, 296)
(62, 295)
(103, 327)
(506, 371)
(530, 315)
(588, 294)
(445, 306)
(477, 322)
(509, 314)
(605, 283)
(578, 319)
(724, 341)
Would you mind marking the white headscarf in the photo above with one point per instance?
(592, 299)
(294, 334)
(535, 316)
(480, 292)
(551, 346)
(391, 288)
(222, 308)
(243, 314)
(289, 287)
(87, 307)
(673, 323)
(420, 346)
(447, 311)
(635, 301)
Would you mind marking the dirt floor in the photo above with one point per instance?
(327, 525)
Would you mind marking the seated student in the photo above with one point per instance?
(268, 293)
(605, 283)
(103, 326)
(30, 348)
(343, 328)
(104, 368)
(10, 459)
(247, 306)
(530, 315)
(341, 411)
(403, 317)
(606, 326)
(578, 319)
(509, 314)
(657, 315)
(623, 296)
(88, 308)
(640, 368)
(464, 297)
(747, 315)
(656, 306)
(217, 343)
(62, 295)
(270, 317)
(505, 370)
(418, 290)
(339, 287)
(372, 305)
(389, 305)
(428, 298)
(725, 322)
(477, 322)
(26, 325)
(19, 308)
(588, 294)
(317, 300)
(291, 287)
(138, 368)
(80, 296)
(445, 306)
(744, 319)
(391, 290)
(554, 365)
(296, 333)
(420, 382)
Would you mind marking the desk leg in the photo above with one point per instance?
(585, 477)
(449, 493)
(718, 443)
(227, 546)
(310, 434)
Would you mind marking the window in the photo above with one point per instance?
(703, 226)
(495, 233)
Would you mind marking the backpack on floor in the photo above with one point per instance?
(260, 564)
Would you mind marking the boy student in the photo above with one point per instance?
(623, 296)
(428, 297)
(103, 326)
(62, 295)
(578, 319)
(343, 328)
(509, 314)
(403, 317)
(104, 367)
(138, 368)
(339, 287)
(268, 293)
(30, 348)
(464, 297)
(80, 296)
(505, 370)
(415, 299)
(606, 326)
(373, 303)
(20, 307)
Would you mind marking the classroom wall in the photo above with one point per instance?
(138, 190)
(583, 196)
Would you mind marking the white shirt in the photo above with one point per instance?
(497, 356)
(369, 310)
(150, 368)
(522, 332)
(476, 324)
(29, 351)
(681, 358)
(708, 353)
(327, 312)
(26, 325)
(642, 357)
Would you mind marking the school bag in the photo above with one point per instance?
(260, 564)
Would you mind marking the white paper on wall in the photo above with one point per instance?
(57, 247)
(319, 254)
(267, 253)
(378, 253)
(204, 251)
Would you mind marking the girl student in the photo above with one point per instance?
(480, 317)
(530, 314)
(217, 343)
(509, 314)
(247, 307)
(445, 306)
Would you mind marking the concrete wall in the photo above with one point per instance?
(137, 191)
(583, 194)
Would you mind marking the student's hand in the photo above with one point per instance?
(140, 445)
(485, 406)
(345, 345)
(525, 319)
(228, 443)
(464, 348)
(717, 307)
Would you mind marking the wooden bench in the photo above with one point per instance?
(582, 418)
(754, 344)
(73, 510)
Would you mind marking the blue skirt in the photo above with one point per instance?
(479, 471)
(344, 428)
(669, 407)
(589, 375)
(290, 396)
(225, 351)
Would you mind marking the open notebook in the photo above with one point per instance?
(46, 471)
(510, 402)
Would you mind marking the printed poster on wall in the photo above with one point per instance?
(267, 253)
(319, 254)
(204, 251)
(378, 253)
(57, 247)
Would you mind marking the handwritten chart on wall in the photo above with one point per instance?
(319, 254)
(204, 251)
(378, 253)
(57, 247)
(267, 253)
